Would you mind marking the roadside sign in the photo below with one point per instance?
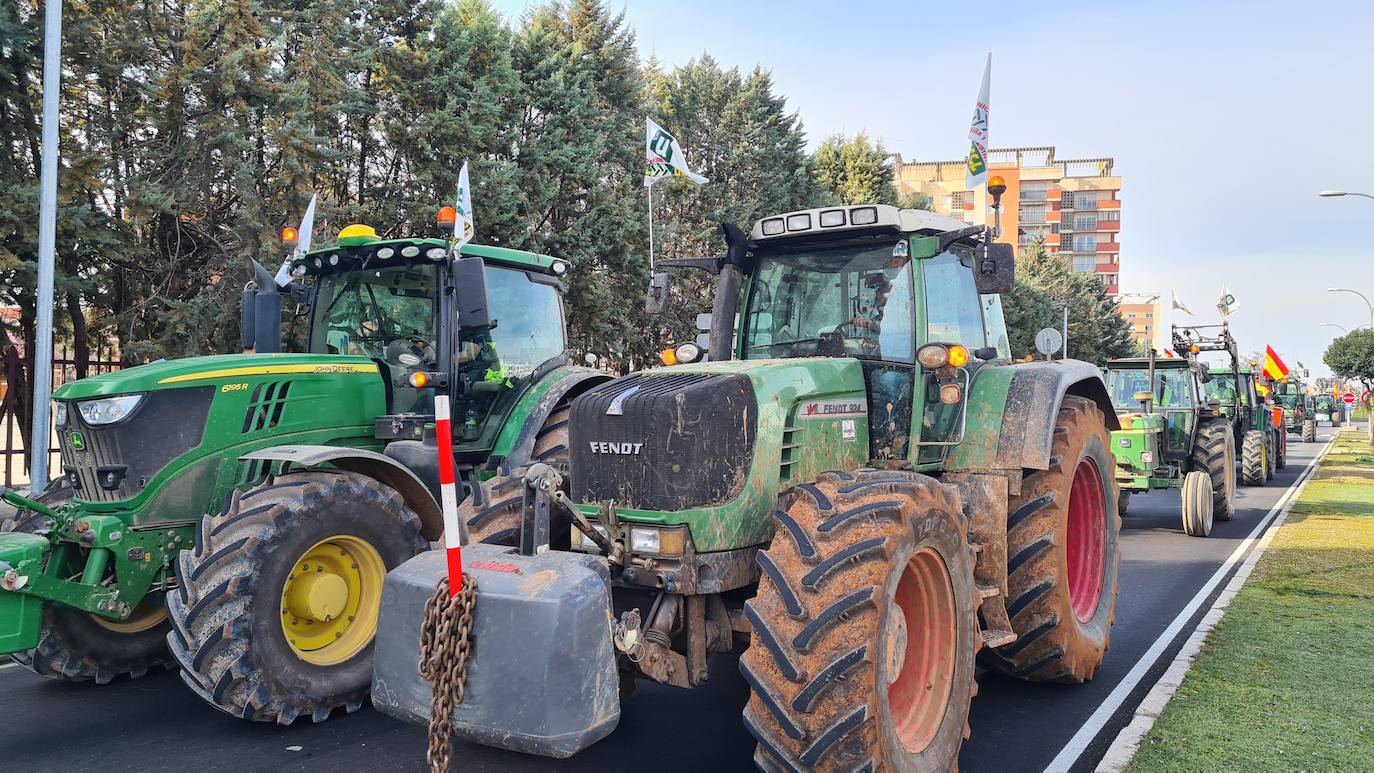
(1048, 341)
(1348, 397)
(1364, 396)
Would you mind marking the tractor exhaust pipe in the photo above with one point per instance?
(722, 334)
(261, 313)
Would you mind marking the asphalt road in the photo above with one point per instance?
(155, 723)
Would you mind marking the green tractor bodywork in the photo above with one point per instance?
(870, 355)
(1328, 409)
(1253, 422)
(1297, 405)
(152, 454)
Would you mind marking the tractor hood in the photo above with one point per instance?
(711, 444)
(1141, 421)
(202, 371)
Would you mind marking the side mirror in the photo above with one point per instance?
(657, 299)
(469, 276)
(994, 268)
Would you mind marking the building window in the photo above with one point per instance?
(1147, 328)
(1085, 199)
(1085, 221)
(1085, 244)
(1149, 315)
(1130, 315)
(1034, 215)
(1109, 215)
(1084, 264)
(1035, 190)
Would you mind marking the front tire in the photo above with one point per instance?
(493, 512)
(276, 608)
(1215, 454)
(74, 646)
(1062, 556)
(1254, 458)
(865, 628)
(1309, 431)
(1196, 504)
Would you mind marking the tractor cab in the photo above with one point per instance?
(1159, 395)
(395, 301)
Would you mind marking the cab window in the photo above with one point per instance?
(954, 310)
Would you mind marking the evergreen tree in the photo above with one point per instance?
(855, 170)
(1044, 283)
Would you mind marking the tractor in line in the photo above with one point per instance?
(860, 487)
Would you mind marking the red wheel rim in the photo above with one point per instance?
(917, 697)
(1086, 540)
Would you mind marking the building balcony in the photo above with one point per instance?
(1052, 216)
(1052, 240)
(1107, 268)
(1109, 203)
(1108, 247)
(1109, 225)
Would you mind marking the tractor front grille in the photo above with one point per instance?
(663, 441)
(113, 463)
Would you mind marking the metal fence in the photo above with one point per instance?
(13, 467)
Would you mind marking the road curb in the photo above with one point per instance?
(1127, 742)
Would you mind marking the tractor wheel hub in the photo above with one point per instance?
(320, 596)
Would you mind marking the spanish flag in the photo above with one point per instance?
(1273, 366)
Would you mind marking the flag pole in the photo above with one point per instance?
(650, 188)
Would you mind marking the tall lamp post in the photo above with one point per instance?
(47, 238)
(1336, 194)
(1343, 328)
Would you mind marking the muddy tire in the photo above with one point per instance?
(74, 646)
(256, 632)
(492, 513)
(1062, 556)
(1254, 458)
(1196, 504)
(1309, 431)
(1335, 417)
(865, 627)
(1215, 454)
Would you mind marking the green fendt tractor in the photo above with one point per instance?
(263, 497)
(861, 485)
(1297, 410)
(1262, 442)
(1171, 436)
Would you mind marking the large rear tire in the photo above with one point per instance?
(1062, 556)
(1278, 458)
(864, 628)
(1309, 431)
(77, 647)
(492, 513)
(1196, 505)
(1215, 454)
(276, 609)
(1254, 458)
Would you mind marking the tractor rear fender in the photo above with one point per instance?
(377, 466)
(563, 387)
(1012, 411)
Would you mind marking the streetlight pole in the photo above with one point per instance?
(47, 246)
(1362, 297)
(1336, 194)
(1332, 324)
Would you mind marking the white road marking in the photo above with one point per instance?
(1109, 706)
(10, 664)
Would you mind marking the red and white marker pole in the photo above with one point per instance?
(448, 494)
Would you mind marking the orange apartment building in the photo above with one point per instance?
(1074, 204)
(1141, 312)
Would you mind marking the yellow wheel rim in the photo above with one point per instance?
(145, 616)
(330, 600)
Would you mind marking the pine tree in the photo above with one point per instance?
(854, 170)
(1044, 283)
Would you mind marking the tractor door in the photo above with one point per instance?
(952, 312)
(498, 363)
(1178, 398)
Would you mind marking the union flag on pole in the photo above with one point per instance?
(1273, 366)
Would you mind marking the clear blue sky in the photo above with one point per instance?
(1225, 119)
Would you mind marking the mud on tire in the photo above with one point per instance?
(492, 512)
(1215, 454)
(1196, 504)
(1061, 597)
(1309, 431)
(72, 645)
(227, 633)
(838, 602)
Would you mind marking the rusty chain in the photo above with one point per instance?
(445, 643)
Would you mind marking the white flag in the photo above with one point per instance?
(1227, 303)
(463, 225)
(283, 276)
(663, 157)
(1178, 304)
(977, 173)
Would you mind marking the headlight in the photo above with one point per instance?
(688, 352)
(644, 541)
(436, 253)
(580, 541)
(385, 252)
(59, 413)
(1147, 457)
(108, 410)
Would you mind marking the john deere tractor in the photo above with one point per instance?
(234, 516)
(1257, 431)
(1172, 436)
(860, 485)
(1327, 408)
(1297, 410)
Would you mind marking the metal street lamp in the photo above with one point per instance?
(1362, 297)
(1343, 328)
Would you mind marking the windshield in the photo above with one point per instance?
(1172, 388)
(1289, 399)
(849, 301)
(1223, 390)
(379, 313)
